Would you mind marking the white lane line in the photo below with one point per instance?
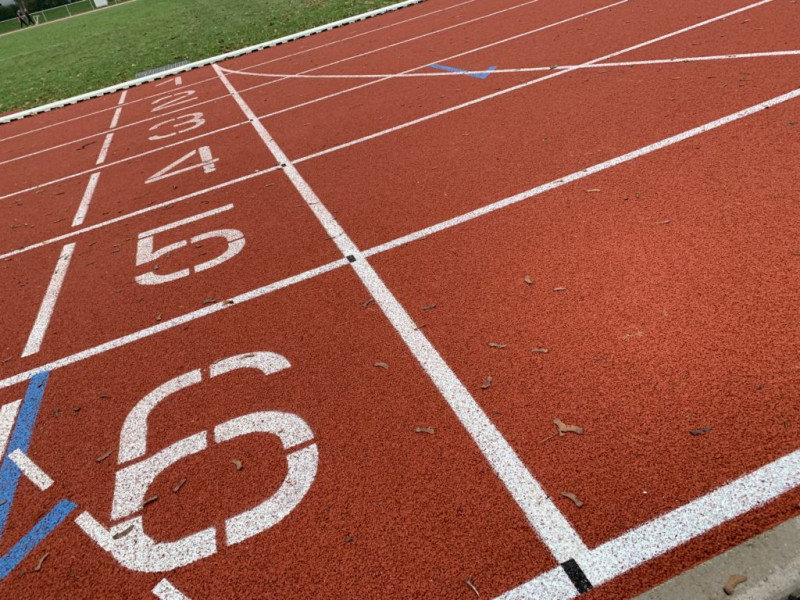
(118, 111)
(136, 213)
(677, 527)
(544, 517)
(186, 221)
(408, 40)
(166, 591)
(633, 63)
(121, 161)
(556, 183)
(31, 470)
(48, 302)
(172, 323)
(83, 207)
(104, 150)
(439, 60)
(8, 412)
(200, 81)
(526, 84)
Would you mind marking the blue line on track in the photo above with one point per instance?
(476, 74)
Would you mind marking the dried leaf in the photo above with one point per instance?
(527, 279)
(429, 307)
(664, 222)
(367, 303)
(237, 463)
(178, 487)
(487, 383)
(424, 430)
(701, 431)
(559, 289)
(593, 191)
(158, 318)
(101, 458)
(123, 533)
(472, 587)
(540, 350)
(732, 582)
(39, 564)
(572, 497)
(149, 501)
(496, 345)
(382, 365)
(76, 409)
(564, 429)
(209, 301)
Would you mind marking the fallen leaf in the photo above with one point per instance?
(123, 533)
(178, 487)
(593, 191)
(472, 587)
(101, 458)
(228, 302)
(424, 430)
(38, 566)
(76, 409)
(367, 303)
(564, 429)
(540, 350)
(528, 280)
(149, 501)
(701, 431)
(382, 365)
(105, 396)
(348, 539)
(429, 307)
(664, 222)
(487, 383)
(559, 289)
(572, 497)
(732, 582)
(209, 301)
(158, 318)
(237, 463)
(495, 345)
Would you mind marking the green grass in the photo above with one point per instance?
(47, 63)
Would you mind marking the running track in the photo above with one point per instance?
(298, 324)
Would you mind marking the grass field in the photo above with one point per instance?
(68, 57)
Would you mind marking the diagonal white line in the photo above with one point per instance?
(544, 517)
(31, 470)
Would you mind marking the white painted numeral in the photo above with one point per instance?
(207, 163)
(181, 124)
(173, 99)
(136, 550)
(146, 252)
(178, 81)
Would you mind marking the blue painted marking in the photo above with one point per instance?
(45, 526)
(20, 438)
(478, 75)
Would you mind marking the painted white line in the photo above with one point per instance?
(679, 526)
(287, 56)
(104, 150)
(49, 302)
(526, 84)
(552, 527)
(172, 323)
(166, 591)
(118, 111)
(83, 207)
(136, 213)
(186, 221)
(551, 585)
(440, 60)
(207, 61)
(8, 412)
(597, 168)
(633, 63)
(31, 470)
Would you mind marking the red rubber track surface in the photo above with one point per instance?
(664, 289)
